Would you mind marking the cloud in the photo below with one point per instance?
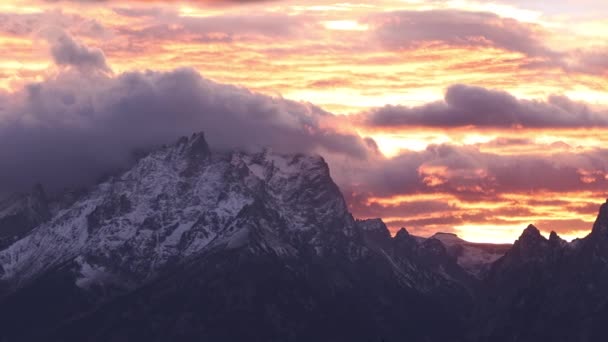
(590, 61)
(29, 24)
(469, 173)
(68, 52)
(407, 29)
(475, 106)
(76, 126)
(446, 186)
(165, 24)
(204, 2)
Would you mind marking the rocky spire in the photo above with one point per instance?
(375, 231)
(197, 147)
(404, 242)
(555, 239)
(402, 234)
(196, 151)
(531, 244)
(531, 232)
(601, 223)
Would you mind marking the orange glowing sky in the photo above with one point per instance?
(487, 115)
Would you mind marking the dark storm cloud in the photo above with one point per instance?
(475, 106)
(406, 29)
(70, 129)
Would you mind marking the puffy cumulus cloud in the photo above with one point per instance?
(475, 106)
(76, 126)
(68, 52)
(407, 29)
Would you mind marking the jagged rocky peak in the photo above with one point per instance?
(402, 234)
(374, 225)
(375, 231)
(403, 240)
(530, 238)
(196, 151)
(197, 147)
(555, 239)
(180, 201)
(530, 245)
(531, 233)
(601, 223)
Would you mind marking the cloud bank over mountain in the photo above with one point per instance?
(84, 121)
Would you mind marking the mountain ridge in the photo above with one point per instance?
(184, 213)
(193, 244)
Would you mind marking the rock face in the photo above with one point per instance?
(195, 245)
(21, 213)
(548, 290)
(475, 258)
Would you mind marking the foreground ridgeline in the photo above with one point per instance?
(193, 245)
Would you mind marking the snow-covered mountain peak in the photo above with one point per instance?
(180, 201)
(475, 258)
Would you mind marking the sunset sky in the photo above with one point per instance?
(472, 117)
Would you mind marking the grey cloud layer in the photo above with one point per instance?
(458, 28)
(474, 106)
(205, 2)
(28, 24)
(168, 24)
(71, 129)
(401, 30)
(471, 175)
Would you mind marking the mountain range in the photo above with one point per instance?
(195, 245)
